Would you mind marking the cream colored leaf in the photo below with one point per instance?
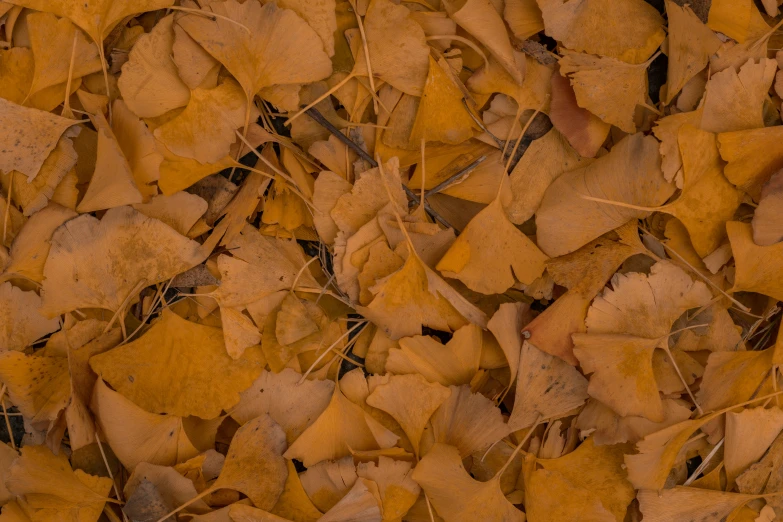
(180, 210)
(749, 434)
(684, 503)
(397, 489)
(758, 268)
(767, 227)
(21, 321)
(38, 385)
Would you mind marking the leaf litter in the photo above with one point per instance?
(361, 260)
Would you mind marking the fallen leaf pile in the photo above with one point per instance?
(383, 261)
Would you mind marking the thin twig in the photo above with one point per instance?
(447, 182)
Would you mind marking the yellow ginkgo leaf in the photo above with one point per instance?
(455, 495)
(34, 196)
(293, 503)
(708, 200)
(598, 470)
(543, 162)
(340, 429)
(135, 435)
(667, 130)
(38, 385)
(752, 157)
(415, 296)
(451, 364)
(205, 130)
(173, 489)
(321, 16)
(329, 481)
(397, 489)
(58, 46)
(180, 211)
(758, 268)
(30, 136)
(363, 502)
(484, 23)
(749, 434)
(547, 388)
(767, 227)
(112, 183)
(734, 100)
(531, 93)
(398, 51)
(21, 322)
(53, 490)
(293, 406)
(630, 174)
(684, 503)
(733, 377)
(490, 263)
(259, 45)
(506, 326)
(411, 400)
(149, 82)
(691, 43)
(585, 131)
(523, 18)
(328, 188)
(441, 115)
(468, 421)
(172, 368)
(610, 428)
(627, 30)
(96, 17)
(139, 148)
(28, 252)
(609, 88)
(735, 19)
(97, 264)
(549, 497)
(624, 326)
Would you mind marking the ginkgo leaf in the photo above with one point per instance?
(543, 162)
(342, 427)
(21, 322)
(609, 88)
(630, 173)
(767, 228)
(94, 263)
(172, 367)
(397, 489)
(398, 51)
(451, 364)
(138, 436)
(415, 296)
(468, 421)
(53, 490)
(684, 503)
(59, 47)
(456, 495)
(734, 100)
(96, 17)
(293, 503)
(547, 387)
(321, 16)
(624, 327)
(327, 482)
(691, 43)
(667, 130)
(180, 211)
(173, 488)
(708, 200)
(260, 46)
(411, 400)
(490, 263)
(758, 268)
(550, 497)
(733, 377)
(361, 504)
(598, 470)
(585, 131)
(38, 385)
(483, 22)
(112, 183)
(506, 325)
(523, 18)
(752, 157)
(33, 196)
(205, 130)
(293, 406)
(328, 189)
(149, 83)
(531, 93)
(30, 136)
(749, 433)
(628, 30)
(441, 115)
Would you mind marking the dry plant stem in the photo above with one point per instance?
(201, 495)
(111, 515)
(522, 134)
(136, 289)
(155, 302)
(5, 415)
(704, 463)
(480, 124)
(518, 448)
(299, 274)
(462, 172)
(211, 16)
(510, 132)
(693, 269)
(331, 347)
(67, 102)
(7, 215)
(108, 470)
(105, 68)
